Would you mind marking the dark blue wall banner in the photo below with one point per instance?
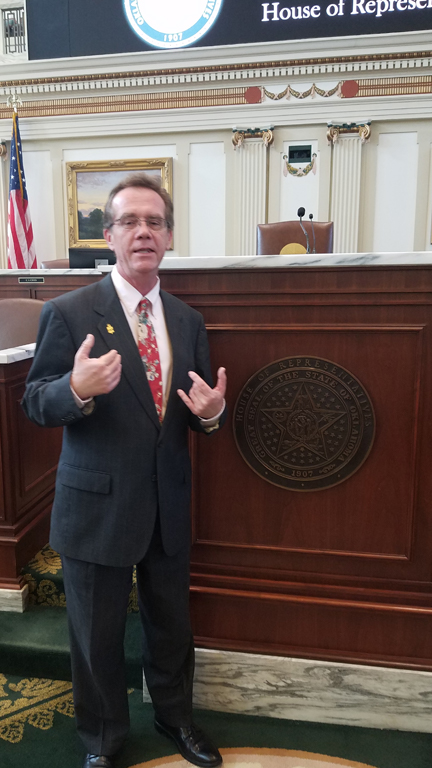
(63, 28)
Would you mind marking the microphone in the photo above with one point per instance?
(313, 233)
(300, 213)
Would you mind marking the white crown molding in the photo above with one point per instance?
(51, 87)
(231, 56)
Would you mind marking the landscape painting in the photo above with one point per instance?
(88, 187)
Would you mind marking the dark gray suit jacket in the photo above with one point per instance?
(118, 465)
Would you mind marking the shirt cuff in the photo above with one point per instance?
(86, 406)
(209, 424)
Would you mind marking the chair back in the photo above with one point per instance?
(55, 264)
(284, 236)
(19, 321)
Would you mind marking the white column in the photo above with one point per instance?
(345, 195)
(4, 195)
(250, 194)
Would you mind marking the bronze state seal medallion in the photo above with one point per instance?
(304, 423)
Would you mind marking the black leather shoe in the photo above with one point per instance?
(98, 761)
(192, 744)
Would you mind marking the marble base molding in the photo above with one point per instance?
(312, 691)
(14, 599)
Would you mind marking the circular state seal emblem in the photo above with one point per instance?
(171, 23)
(304, 423)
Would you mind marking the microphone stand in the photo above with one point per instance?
(313, 232)
(300, 213)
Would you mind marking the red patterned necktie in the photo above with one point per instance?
(148, 349)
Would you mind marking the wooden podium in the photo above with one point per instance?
(342, 572)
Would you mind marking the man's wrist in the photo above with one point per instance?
(214, 419)
(86, 406)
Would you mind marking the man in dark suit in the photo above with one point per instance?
(114, 364)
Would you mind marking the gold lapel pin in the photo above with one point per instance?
(109, 328)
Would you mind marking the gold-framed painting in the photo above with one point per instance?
(88, 186)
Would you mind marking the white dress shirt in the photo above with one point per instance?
(129, 298)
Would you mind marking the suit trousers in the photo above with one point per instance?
(97, 599)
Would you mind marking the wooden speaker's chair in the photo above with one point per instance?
(288, 237)
(55, 264)
(19, 321)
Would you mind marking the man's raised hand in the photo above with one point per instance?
(92, 376)
(202, 400)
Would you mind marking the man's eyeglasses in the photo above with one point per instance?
(156, 223)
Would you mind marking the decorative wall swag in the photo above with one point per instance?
(291, 169)
(312, 92)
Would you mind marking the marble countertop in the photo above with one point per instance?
(13, 354)
(421, 258)
(306, 260)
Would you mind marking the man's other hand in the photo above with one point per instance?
(92, 376)
(202, 400)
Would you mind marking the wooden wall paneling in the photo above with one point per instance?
(9, 291)
(29, 456)
(333, 630)
(361, 503)
(53, 285)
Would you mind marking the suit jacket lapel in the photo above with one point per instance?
(115, 330)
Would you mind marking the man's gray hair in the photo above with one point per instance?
(142, 181)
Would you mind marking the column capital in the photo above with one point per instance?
(336, 130)
(240, 134)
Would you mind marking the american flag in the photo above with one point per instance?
(21, 249)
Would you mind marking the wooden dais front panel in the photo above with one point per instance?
(343, 573)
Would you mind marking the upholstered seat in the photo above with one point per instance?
(288, 237)
(19, 321)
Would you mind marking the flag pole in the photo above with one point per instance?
(20, 246)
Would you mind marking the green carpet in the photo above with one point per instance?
(37, 730)
(36, 643)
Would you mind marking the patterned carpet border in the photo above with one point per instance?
(50, 591)
(31, 701)
(262, 758)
